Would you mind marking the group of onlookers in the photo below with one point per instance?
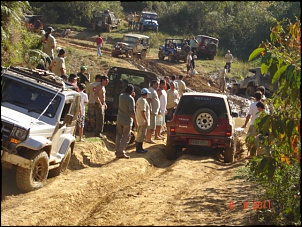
(95, 95)
(135, 21)
(149, 113)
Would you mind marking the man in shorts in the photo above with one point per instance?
(154, 103)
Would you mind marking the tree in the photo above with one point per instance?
(11, 15)
(278, 168)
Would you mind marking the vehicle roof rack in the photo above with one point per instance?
(39, 75)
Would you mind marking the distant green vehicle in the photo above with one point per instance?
(105, 21)
(252, 80)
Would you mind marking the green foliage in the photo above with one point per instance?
(278, 168)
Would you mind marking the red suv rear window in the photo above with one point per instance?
(188, 105)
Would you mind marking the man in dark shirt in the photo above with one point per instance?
(83, 76)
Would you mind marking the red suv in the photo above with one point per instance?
(207, 47)
(203, 120)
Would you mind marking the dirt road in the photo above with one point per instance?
(97, 189)
(147, 189)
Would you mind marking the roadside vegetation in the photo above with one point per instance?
(265, 33)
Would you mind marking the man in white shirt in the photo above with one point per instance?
(252, 114)
(181, 85)
(229, 59)
(57, 65)
(221, 77)
(193, 44)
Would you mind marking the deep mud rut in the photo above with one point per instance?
(147, 189)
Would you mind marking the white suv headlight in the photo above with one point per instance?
(20, 133)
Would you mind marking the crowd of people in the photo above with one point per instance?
(151, 113)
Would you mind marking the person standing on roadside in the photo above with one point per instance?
(143, 119)
(83, 76)
(221, 78)
(167, 79)
(99, 43)
(125, 118)
(91, 104)
(160, 118)
(193, 44)
(172, 102)
(181, 85)
(252, 114)
(49, 44)
(81, 116)
(189, 62)
(100, 106)
(229, 59)
(154, 103)
(57, 65)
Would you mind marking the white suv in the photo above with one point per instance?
(38, 116)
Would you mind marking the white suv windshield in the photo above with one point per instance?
(28, 97)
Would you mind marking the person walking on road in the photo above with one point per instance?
(125, 118)
(143, 119)
(99, 43)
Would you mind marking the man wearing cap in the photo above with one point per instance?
(143, 119)
(49, 43)
(83, 76)
(229, 59)
(57, 65)
(125, 118)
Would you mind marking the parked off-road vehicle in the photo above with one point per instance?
(38, 115)
(131, 45)
(207, 47)
(119, 78)
(252, 80)
(175, 49)
(33, 22)
(149, 21)
(105, 21)
(202, 120)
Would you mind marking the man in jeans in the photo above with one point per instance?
(100, 106)
(99, 43)
(125, 118)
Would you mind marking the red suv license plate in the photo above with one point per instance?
(200, 142)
